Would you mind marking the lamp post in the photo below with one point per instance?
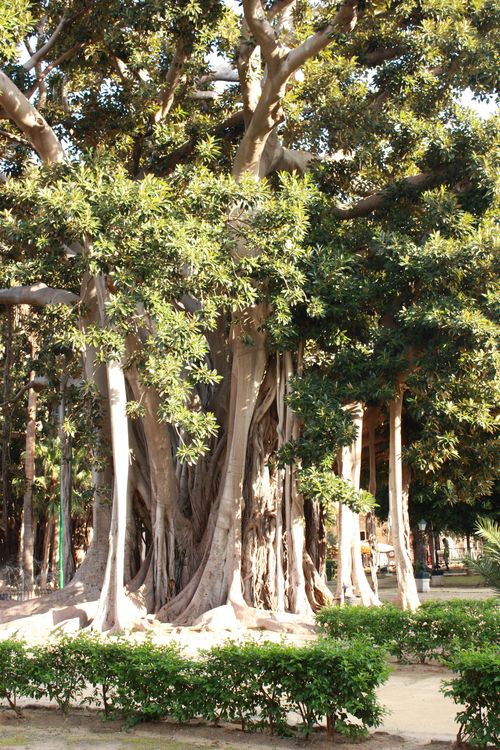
(422, 577)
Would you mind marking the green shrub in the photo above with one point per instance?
(260, 684)
(386, 625)
(14, 672)
(477, 688)
(254, 684)
(140, 681)
(435, 631)
(56, 672)
(238, 685)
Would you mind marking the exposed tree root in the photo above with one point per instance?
(233, 617)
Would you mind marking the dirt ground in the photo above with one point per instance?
(48, 729)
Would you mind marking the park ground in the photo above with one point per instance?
(418, 715)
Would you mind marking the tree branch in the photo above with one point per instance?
(345, 20)
(366, 206)
(38, 384)
(174, 157)
(30, 121)
(278, 7)
(171, 81)
(261, 29)
(14, 138)
(40, 53)
(223, 72)
(378, 56)
(45, 72)
(37, 295)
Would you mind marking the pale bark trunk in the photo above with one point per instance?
(371, 520)
(29, 474)
(219, 579)
(352, 574)
(114, 609)
(91, 571)
(404, 569)
(298, 602)
(112, 606)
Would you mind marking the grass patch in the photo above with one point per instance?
(463, 581)
(16, 741)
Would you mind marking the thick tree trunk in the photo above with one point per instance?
(218, 581)
(29, 475)
(351, 576)
(404, 569)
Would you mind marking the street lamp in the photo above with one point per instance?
(422, 577)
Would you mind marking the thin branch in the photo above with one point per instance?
(38, 384)
(14, 138)
(377, 56)
(171, 81)
(50, 67)
(37, 295)
(174, 157)
(40, 53)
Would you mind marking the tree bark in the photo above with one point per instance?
(29, 474)
(371, 520)
(114, 609)
(68, 562)
(404, 569)
(6, 488)
(350, 572)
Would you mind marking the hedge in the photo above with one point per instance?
(436, 630)
(256, 684)
(477, 688)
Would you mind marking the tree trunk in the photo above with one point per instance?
(371, 519)
(47, 539)
(350, 572)
(218, 581)
(29, 474)
(6, 488)
(404, 569)
(114, 609)
(68, 562)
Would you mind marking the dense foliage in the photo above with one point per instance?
(476, 688)
(255, 684)
(436, 631)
